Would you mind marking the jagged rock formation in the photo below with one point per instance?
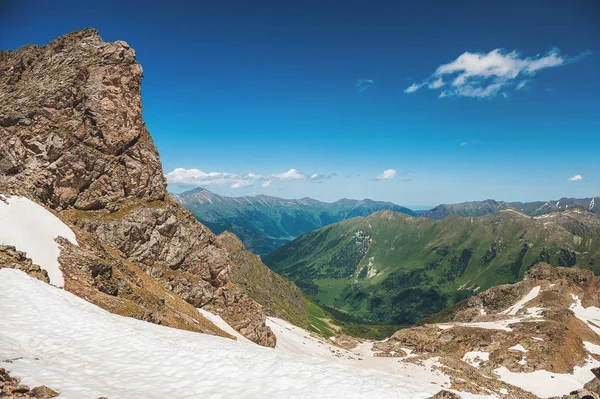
(72, 138)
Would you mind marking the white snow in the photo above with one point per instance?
(517, 306)
(475, 358)
(57, 339)
(31, 228)
(445, 326)
(592, 348)
(518, 347)
(589, 315)
(534, 311)
(222, 324)
(545, 383)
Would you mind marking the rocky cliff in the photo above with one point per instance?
(72, 138)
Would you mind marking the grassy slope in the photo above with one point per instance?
(266, 223)
(424, 266)
(282, 298)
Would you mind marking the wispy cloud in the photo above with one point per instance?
(387, 174)
(482, 75)
(320, 177)
(363, 84)
(196, 177)
(575, 178)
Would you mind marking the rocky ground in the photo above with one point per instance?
(534, 325)
(11, 388)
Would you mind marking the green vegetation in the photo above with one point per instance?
(266, 223)
(391, 268)
(282, 298)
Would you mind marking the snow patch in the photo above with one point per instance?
(517, 306)
(590, 316)
(545, 384)
(222, 324)
(33, 229)
(519, 348)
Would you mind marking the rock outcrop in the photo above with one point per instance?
(72, 138)
(11, 258)
(11, 387)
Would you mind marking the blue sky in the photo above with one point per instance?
(258, 97)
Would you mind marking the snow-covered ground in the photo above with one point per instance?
(57, 339)
(31, 228)
(546, 383)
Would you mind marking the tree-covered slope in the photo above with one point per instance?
(535, 208)
(266, 223)
(394, 268)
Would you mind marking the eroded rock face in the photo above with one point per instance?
(71, 129)
(72, 138)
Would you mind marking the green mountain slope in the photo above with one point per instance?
(266, 223)
(481, 208)
(397, 269)
(281, 298)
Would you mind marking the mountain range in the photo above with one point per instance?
(481, 208)
(394, 268)
(265, 223)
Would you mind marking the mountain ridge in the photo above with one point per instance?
(533, 208)
(264, 223)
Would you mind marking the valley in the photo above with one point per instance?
(398, 269)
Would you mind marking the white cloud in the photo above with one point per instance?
(575, 178)
(196, 177)
(436, 84)
(412, 88)
(483, 75)
(242, 184)
(291, 174)
(387, 174)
